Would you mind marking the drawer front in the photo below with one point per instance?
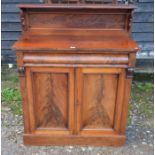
(89, 59)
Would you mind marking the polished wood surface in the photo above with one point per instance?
(77, 41)
(51, 95)
(75, 20)
(98, 106)
(73, 58)
(47, 140)
(50, 89)
(99, 94)
(75, 64)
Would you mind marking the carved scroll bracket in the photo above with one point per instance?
(129, 72)
(21, 71)
(23, 21)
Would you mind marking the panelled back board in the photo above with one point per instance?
(100, 20)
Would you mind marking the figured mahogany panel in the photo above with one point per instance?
(51, 99)
(51, 106)
(81, 16)
(46, 58)
(99, 95)
(71, 20)
(99, 100)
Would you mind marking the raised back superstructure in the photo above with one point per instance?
(76, 17)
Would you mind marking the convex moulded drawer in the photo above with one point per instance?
(75, 58)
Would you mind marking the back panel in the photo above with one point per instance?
(63, 19)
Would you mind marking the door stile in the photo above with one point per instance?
(119, 101)
(30, 99)
(71, 101)
(78, 99)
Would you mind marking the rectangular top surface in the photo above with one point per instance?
(82, 40)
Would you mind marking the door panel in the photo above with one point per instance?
(96, 100)
(53, 101)
(50, 100)
(99, 95)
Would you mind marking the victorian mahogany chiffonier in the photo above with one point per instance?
(75, 62)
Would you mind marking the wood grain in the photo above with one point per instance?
(47, 140)
(46, 58)
(51, 99)
(98, 105)
(79, 40)
(124, 116)
(96, 99)
(75, 64)
(77, 20)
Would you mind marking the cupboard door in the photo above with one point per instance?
(99, 100)
(51, 100)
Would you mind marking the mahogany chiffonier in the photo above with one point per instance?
(75, 65)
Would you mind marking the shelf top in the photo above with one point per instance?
(82, 40)
(75, 6)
